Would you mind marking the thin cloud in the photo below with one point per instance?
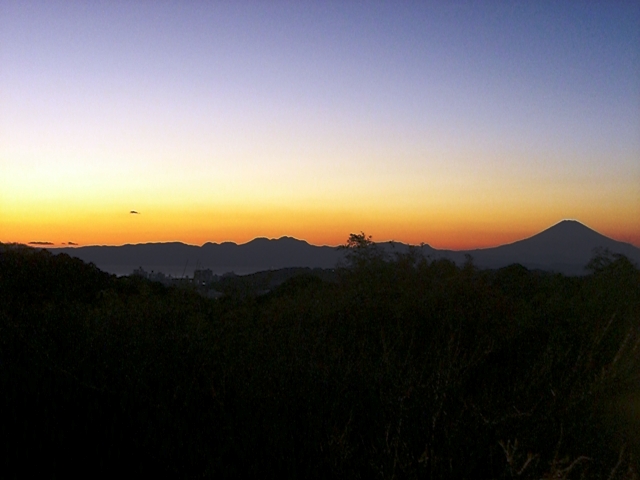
(71, 243)
(134, 212)
(40, 243)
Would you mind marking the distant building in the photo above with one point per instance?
(153, 276)
(158, 277)
(140, 272)
(204, 277)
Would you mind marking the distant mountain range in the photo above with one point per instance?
(565, 247)
(180, 259)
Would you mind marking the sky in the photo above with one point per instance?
(456, 124)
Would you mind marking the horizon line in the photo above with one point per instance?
(72, 245)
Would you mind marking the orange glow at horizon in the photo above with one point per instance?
(453, 229)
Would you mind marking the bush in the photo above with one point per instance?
(404, 367)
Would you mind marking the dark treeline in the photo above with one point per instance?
(399, 367)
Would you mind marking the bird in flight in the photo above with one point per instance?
(134, 212)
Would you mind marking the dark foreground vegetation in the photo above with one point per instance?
(402, 367)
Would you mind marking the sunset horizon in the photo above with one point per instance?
(177, 179)
(460, 126)
(511, 239)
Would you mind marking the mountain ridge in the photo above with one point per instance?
(565, 247)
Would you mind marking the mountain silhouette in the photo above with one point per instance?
(566, 247)
(176, 258)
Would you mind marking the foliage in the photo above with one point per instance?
(403, 367)
(360, 251)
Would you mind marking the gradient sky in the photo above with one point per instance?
(457, 124)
